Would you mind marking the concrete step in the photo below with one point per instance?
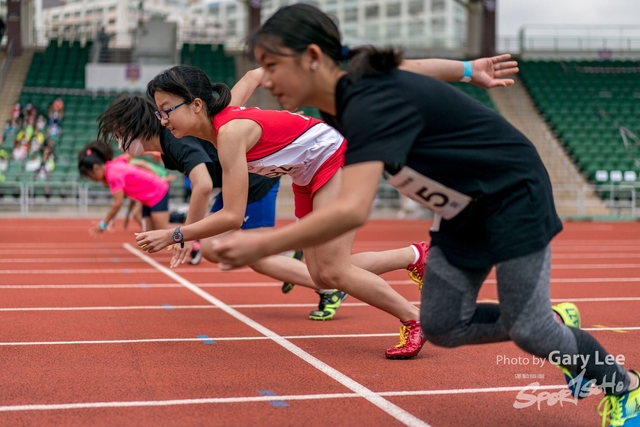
(10, 91)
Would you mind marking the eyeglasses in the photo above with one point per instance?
(164, 114)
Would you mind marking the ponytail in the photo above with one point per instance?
(372, 60)
(222, 101)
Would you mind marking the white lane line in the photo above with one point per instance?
(107, 308)
(58, 251)
(258, 338)
(84, 256)
(390, 408)
(115, 270)
(101, 286)
(607, 280)
(76, 260)
(243, 270)
(153, 340)
(62, 245)
(252, 399)
(275, 305)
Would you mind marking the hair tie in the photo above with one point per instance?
(89, 152)
(345, 53)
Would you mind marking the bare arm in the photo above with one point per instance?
(118, 200)
(244, 88)
(348, 211)
(201, 186)
(487, 72)
(233, 140)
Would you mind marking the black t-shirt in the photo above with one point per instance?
(405, 119)
(186, 153)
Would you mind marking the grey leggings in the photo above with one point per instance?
(451, 317)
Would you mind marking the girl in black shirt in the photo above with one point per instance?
(482, 178)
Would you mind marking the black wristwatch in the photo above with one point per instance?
(178, 237)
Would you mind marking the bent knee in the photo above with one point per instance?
(527, 339)
(439, 332)
(317, 280)
(207, 251)
(330, 278)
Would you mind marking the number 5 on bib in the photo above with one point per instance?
(429, 193)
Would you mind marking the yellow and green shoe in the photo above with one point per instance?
(288, 287)
(622, 410)
(570, 316)
(329, 303)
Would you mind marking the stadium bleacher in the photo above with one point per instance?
(62, 66)
(586, 103)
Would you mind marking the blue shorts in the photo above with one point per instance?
(161, 206)
(261, 213)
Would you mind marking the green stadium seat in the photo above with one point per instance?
(572, 101)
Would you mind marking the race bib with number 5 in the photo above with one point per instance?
(429, 193)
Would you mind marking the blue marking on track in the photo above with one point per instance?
(275, 403)
(126, 270)
(168, 306)
(206, 339)
(144, 285)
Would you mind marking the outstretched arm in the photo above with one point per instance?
(346, 212)
(244, 88)
(487, 72)
(233, 140)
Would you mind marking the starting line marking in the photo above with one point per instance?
(267, 398)
(390, 408)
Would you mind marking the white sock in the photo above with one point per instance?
(416, 252)
(324, 291)
(633, 384)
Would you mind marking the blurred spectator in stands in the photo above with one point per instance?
(103, 40)
(16, 111)
(36, 144)
(33, 163)
(25, 133)
(4, 161)
(56, 110)
(3, 27)
(30, 114)
(47, 165)
(41, 123)
(20, 149)
(54, 131)
(48, 145)
(9, 131)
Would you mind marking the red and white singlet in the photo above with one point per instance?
(291, 144)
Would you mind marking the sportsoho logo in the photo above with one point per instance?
(577, 388)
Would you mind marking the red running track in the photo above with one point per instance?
(96, 333)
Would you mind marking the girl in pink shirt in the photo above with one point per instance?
(95, 161)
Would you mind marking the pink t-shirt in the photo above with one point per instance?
(138, 184)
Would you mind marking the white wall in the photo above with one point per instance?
(114, 76)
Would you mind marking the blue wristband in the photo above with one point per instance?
(103, 225)
(468, 71)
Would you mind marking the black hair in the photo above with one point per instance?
(297, 26)
(129, 118)
(189, 83)
(94, 153)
